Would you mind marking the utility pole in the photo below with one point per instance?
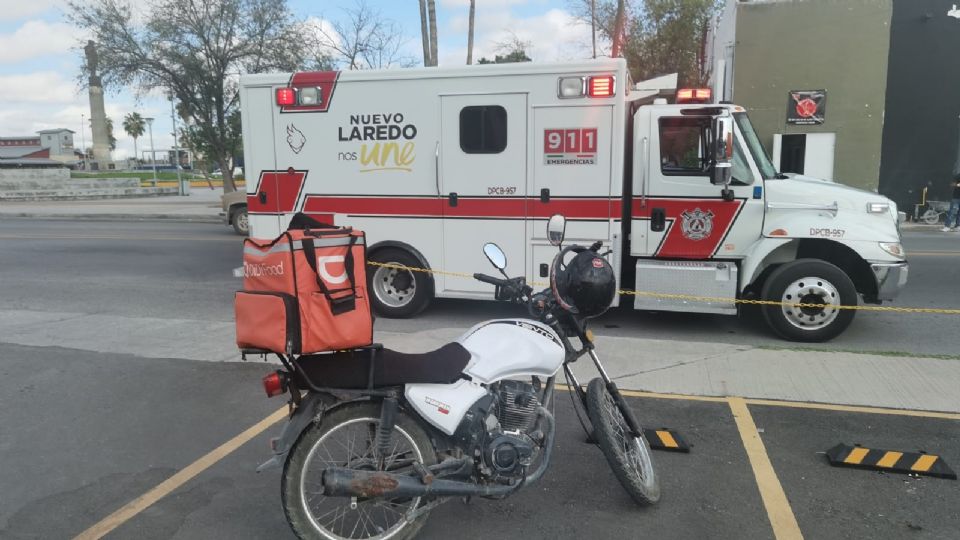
(176, 151)
(153, 153)
(593, 25)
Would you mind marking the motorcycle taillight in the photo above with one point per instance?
(274, 384)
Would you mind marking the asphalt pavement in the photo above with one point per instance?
(102, 399)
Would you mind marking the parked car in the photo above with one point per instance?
(235, 211)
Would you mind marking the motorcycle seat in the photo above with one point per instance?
(352, 369)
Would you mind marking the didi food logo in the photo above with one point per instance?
(387, 142)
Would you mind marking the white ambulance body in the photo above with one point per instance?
(433, 163)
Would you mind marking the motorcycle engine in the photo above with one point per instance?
(496, 430)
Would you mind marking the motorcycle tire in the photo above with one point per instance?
(307, 514)
(629, 457)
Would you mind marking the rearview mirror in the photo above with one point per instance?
(556, 229)
(495, 255)
(722, 150)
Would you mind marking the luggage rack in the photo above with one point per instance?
(292, 363)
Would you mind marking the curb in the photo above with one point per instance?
(115, 217)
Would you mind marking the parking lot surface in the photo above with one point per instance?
(104, 429)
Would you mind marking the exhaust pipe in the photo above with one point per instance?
(343, 482)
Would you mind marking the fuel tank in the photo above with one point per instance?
(510, 348)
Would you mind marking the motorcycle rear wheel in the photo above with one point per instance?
(629, 457)
(346, 437)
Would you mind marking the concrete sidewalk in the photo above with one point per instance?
(202, 205)
(710, 369)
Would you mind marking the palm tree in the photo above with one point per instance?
(432, 15)
(134, 124)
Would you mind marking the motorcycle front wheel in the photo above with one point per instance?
(346, 437)
(628, 456)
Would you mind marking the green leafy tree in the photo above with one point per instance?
(512, 49)
(658, 36)
(197, 50)
(135, 126)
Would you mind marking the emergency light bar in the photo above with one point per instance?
(306, 96)
(597, 86)
(694, 95)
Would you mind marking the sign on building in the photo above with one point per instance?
(806, 107)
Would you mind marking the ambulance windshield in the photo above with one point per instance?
(767, 170)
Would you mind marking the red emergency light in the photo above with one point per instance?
(694, 95)
(286, 97)
(604, 86)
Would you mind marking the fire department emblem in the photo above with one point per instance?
(696, 225)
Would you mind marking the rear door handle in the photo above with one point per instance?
(658, 219)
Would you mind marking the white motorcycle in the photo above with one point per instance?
(376, 439)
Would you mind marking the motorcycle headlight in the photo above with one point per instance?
(893, 248)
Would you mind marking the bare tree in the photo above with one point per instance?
(425, 34)
(364, 39)
(432, 13)
(470, 34)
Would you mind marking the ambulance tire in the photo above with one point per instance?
(809, 281)
(397, 293)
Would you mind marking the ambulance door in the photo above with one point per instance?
(257, 113)
(482, 182)
(687, 216)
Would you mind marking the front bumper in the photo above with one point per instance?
(891, 278)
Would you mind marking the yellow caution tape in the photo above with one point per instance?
(696, 298)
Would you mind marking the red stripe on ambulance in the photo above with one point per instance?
(680, 244)
(467, 207)
(277, 192)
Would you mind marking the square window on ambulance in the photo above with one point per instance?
(683, 146)
(483, 129)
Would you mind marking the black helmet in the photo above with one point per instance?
(586, 286)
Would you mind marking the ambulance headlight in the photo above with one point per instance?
(893, 248)
(309, 96)
(878, 208)
(571, 87)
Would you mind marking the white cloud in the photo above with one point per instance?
(37, 87)
(37, 38)
(20, 9)
(554, 36)
(488, 3)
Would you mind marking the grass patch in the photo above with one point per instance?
(898, 354)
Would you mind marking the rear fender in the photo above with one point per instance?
(311, 409)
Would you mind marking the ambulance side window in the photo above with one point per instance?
(483, 129)
(683, 146)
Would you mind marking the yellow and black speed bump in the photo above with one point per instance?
(858, 457)
(666, 439)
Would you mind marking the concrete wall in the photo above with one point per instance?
(837, 45)
(41, 175)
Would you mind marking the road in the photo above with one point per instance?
(183, 271)
(84, 433)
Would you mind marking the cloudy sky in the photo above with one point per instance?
(40, 59)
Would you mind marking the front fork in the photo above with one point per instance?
(632, 424)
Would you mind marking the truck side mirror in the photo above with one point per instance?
(556, 228)
(722, 150)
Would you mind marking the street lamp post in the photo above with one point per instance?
(176, 151)
(153, 154)
(83, 140)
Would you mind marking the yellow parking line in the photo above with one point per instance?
(779, 512)
(163, 489)
(934, 254)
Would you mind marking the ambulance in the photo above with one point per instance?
(434, 163)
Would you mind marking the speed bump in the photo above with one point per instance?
(858, 457)
(666, 439)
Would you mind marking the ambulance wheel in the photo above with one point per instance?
(809, 281)
(397, 293)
